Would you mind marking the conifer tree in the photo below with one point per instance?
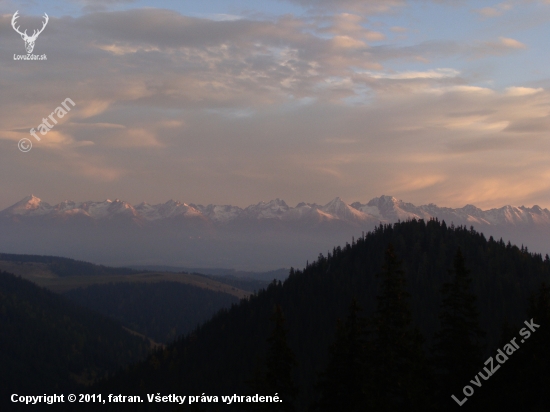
(279, 364)
(538, 365)
(457, 349)
(523, 384)
(399, 373)
(342, 382)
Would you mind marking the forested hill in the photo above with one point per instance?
(221, 356)
(49, 344)
(160, 311)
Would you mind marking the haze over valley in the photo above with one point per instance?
(261, 237)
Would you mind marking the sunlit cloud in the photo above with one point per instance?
(430, 74)
(514, 44)
(522, 91)
(494, 11)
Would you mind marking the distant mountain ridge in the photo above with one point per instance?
(261, 237)
(383, 209)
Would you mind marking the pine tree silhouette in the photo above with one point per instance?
(457, 349)
(538, 375)
(399, 373)
(279, 364)
(342, 382)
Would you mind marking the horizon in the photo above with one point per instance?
(321, 204)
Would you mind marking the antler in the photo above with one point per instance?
(29, 40)
(24, 34)
(35, 33)
(13, 21)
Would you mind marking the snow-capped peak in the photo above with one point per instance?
(220, 213)
(341, 210)
(273, 209)
(170, 209)
(29, 205)
(390, 209)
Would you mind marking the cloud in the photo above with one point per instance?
(232, 111)
(532, 125)
(495, 11)
(92, 6)
(431, 50)
(522, 91)
(503, 46)
(430, 74)
(365, 6)
(352, 26)
(511, 43)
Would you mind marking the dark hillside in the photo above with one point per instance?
(49, 344)
(162, 311)
(220, 356)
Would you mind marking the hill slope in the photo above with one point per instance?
(220, 356)
(161, 311)
(49, 344)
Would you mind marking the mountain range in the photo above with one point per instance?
(264, 236)
(383, 209)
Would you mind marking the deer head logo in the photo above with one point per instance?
(29, 40)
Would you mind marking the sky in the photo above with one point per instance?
(236, 102)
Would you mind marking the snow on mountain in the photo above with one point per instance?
(537, 214)
(307, 212)
(148, 211)
(219, 213)
(384, 209)
(96, 210)
(519, 215)
(30, 205)
(388, 208)
(166, 210)
(340, 210)
(109, 209)
(274, 209)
